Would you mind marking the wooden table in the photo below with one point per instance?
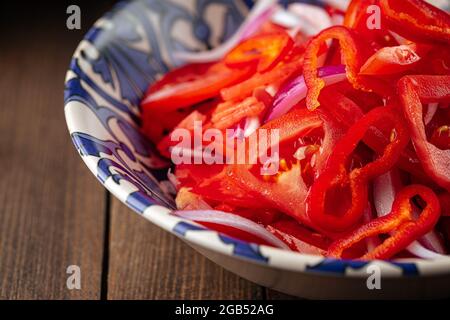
(53, 212)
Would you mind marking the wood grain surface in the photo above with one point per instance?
(53, 212)
(51, 208)
(146, 262)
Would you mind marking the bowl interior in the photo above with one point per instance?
(121, 55)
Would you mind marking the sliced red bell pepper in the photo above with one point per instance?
(356, 12)
(264, 50)
(413, 91)
(351, 188)
(391, 60)
(342, 107)
(400, 223)
(357, 17)
(436, 62)
(351, 55)
(229, 113)
(444, 199)
(417, 19)
(192, 84)
(275, 76)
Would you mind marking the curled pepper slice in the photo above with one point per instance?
(400, 223)
(417, 19)
(351, 57)
(336, 181)
(415, 90)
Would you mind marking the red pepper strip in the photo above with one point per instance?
(274, 76)
(351, 56)
(391, 60)
(415, 90)
(229, 113)
(444, 199)
(400, 223)
(265, 50)
(347, 112)
(357, 17)
(335, 180)
(356, 11)
(333, 132)
(416, 19)
(191, 84)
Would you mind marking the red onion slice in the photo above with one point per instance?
(431, 111)
(385, 188)
(286, 19)
(313, 19)
(234, 221)
(420, 251)
(295, 91)
(338, 4)
(400, 40)
(172, 178)
(260, 13)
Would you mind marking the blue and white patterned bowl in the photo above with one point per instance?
(110, 70)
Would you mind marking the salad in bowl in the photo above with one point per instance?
(331, 140)
(313, 141)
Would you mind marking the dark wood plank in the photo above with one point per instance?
(275, 295)
(146, 262)
(51, 207)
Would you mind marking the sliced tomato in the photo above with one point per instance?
(188, 124)
(263, 50)
(243, 185)
(156, 125)
(391, 60)
(286, 189)
(213, 183)
(192, 84)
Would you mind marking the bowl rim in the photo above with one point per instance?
(196, 234)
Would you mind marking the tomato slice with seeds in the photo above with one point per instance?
(186, 86)
(263, 50)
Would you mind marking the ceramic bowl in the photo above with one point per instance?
(120, 56)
